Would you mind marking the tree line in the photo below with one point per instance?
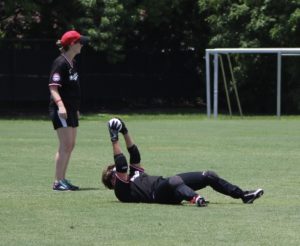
(119, 26)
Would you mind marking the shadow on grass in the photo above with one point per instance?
(227, 203)
(180, 205)
(88, 189)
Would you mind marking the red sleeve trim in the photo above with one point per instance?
(55, 84)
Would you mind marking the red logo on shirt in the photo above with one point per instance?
(56, 77)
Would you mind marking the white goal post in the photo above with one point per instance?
(215, 52)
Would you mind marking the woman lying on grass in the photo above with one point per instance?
(137, 186)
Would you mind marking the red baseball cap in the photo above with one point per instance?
(70, 37)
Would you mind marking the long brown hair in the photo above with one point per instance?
(107, 176)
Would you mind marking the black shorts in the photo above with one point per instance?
(58, 122)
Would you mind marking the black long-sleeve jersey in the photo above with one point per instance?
(138, 188)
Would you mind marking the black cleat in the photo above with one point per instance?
(250, 196)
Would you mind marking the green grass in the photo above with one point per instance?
(251, 152)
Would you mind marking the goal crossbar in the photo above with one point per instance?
(216, 52)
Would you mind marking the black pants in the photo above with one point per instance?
(175, 189)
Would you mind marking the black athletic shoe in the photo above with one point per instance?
(250, 196)
(71, 186)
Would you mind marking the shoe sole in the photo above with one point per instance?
(257, 195)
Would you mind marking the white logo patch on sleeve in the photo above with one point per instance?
(56, 77)
(136, 175)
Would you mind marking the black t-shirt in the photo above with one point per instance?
(139, 187)
(67, 79)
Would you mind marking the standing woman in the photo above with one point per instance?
(64, 104)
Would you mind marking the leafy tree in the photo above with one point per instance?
(260, 23)
(114, 25)
(247, 23)
(38, 18)
(175, 31)
(14, 18)
(104, 21)
(119, 27)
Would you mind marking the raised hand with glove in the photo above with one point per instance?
(114, 126)
(124, 129)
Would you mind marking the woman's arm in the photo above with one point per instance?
(57, 99)
(120, 161)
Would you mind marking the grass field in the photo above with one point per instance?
(251, 152)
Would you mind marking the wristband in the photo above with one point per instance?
(57, 101)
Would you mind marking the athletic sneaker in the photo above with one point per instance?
(250, 196)
(61, 186)
(71, 186)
